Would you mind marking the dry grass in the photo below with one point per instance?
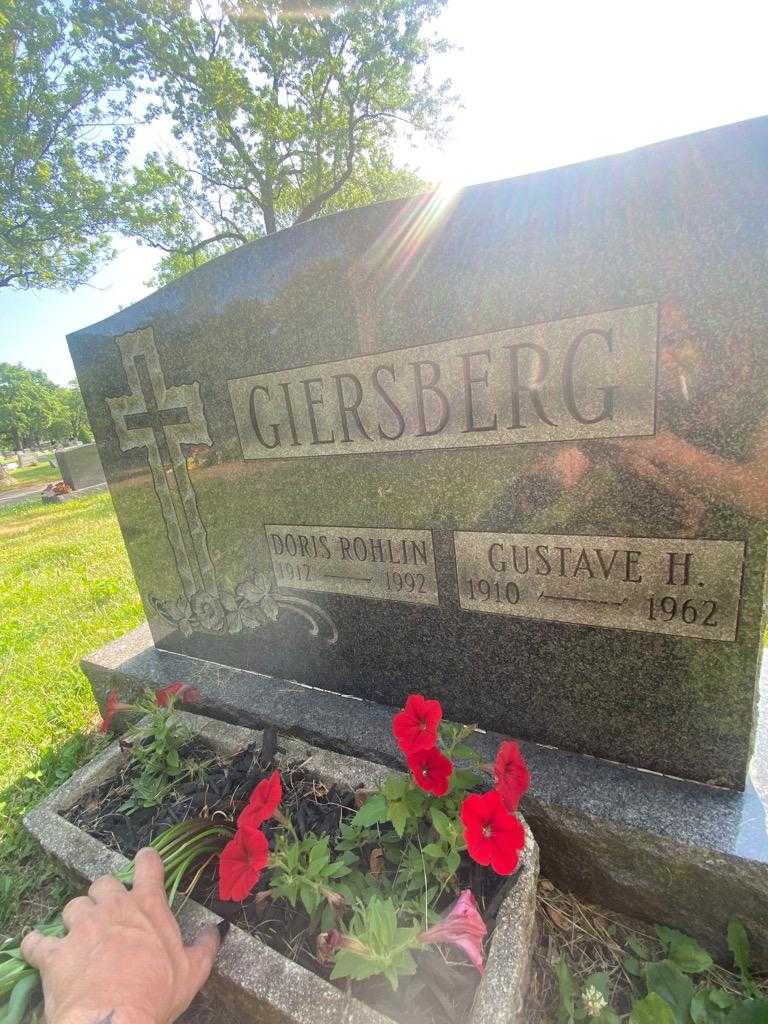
(594, 940)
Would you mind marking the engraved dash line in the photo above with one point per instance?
(582, 600)
(361, 579)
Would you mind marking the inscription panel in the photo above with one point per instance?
(585, 377)
(687, 588)
(390, 565)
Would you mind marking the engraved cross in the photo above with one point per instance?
(161, 419)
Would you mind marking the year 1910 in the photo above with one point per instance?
(498, 591)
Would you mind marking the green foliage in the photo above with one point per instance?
(651, 1010)
(683, 951)
(738, 943)
(302, 869)
(277, 117)
(34, 410)
(156, 746)
(674, 987)
(671, 996)
(382, 946)
(62, 142)
(52, 557)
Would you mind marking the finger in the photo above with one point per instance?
(149, 892)
(149, 872)
(106, 889)
(77, 910)
(201, 956)
(37, 948)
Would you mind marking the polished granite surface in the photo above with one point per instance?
(506, 448)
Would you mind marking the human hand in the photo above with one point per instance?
(123, 960)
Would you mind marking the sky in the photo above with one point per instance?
(543, 83)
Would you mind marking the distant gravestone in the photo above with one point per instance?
(507, 449)
(80, 466)
(25, 459)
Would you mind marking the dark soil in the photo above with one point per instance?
(442, 990)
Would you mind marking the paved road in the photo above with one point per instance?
(34, 492)
(17, 496)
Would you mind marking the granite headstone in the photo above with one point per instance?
(505, 447)
(80, 466)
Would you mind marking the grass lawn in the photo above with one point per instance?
(66, 588)
(30, 476)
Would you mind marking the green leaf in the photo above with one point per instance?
(442, 824)
(738, 943)
(433, 851)
(700, 1009)
(395, 786)
(598, 981)
(669, 982)
(606, 1016)
(397, 813)
(684, 950)
(327, 918)
(351, 965)
(310, 898)
(639, 947)
(336, 870)
(452, 862)
(462, 780)
(691, 958)
(319, 854)
(373, 810)
(652, 1010)
(710, 1006)
(566, 990)
(669, 937)
(464, 751)
(632, 966)
(753, 1011)
(722, 999)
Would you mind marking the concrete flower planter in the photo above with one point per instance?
(256, 983)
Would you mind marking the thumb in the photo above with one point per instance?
(201, 955)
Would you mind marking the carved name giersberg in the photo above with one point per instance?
(586, 377)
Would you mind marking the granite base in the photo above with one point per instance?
(670, 851)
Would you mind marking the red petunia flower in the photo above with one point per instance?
(263, 803)
(241, 862)
(415, 727)
(431, 770)
(512, 775)
(184, 691)
(493, 835)
(111, 707)
(463, 926)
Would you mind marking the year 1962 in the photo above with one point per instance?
(689, 611)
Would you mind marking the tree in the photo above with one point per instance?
(30, 405)
(75, 417)
(62, 141)
(281, 111)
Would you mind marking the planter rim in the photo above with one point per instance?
(249, 975)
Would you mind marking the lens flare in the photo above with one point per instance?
(400, 249)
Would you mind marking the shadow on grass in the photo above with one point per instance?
(31, 887)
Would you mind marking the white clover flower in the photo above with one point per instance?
(594, 1001)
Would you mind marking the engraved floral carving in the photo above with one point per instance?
(254, 603)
